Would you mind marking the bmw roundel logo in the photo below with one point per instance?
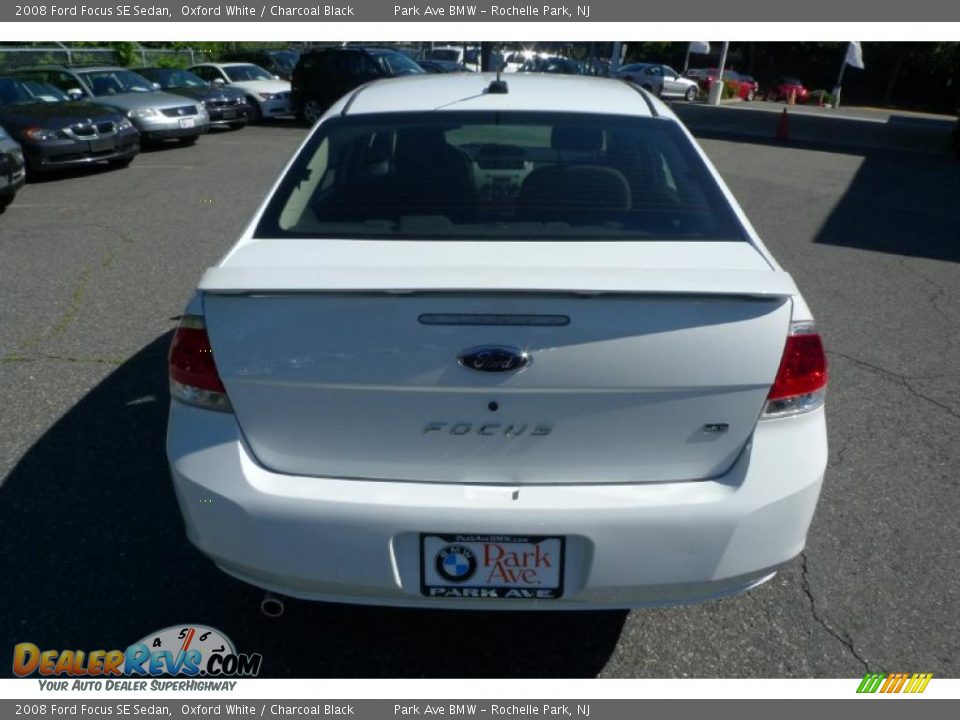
(455, 563)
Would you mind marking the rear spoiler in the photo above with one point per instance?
(481, 279)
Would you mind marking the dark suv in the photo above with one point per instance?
(275, 62)
(324, 75)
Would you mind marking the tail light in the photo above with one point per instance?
(193, 373)
(801, 382)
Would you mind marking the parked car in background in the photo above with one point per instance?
(56, 132)
(749, 87)
(742, 86)
(469, 57)
(326, 74)
(12, 169)
(783, 87)
(267, 96)
(517, 350)
(662, 80)
(157, 115)
(442, 66)
(514, 60)
(555, 65)
(276, 62)
(227, 106)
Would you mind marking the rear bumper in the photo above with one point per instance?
(357, 541)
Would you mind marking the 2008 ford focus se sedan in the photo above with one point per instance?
(498, 346)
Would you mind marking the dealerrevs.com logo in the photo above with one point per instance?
(181, 650)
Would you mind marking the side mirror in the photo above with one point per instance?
(156, 85)
(218, 81)
(75, 94)
(276, 77)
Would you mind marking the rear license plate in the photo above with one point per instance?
(102, 144)
(186, 122)
(229, 114)
(491, 566)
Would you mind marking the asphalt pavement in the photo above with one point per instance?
(96, 267)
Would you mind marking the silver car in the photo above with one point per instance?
(12, 173)
(157, 115)
(661, 80)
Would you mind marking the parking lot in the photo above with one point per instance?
(96, 267)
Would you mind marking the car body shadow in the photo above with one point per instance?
(902, 199)
(899, 203)
(95, 557)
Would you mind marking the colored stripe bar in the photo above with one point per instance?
(870, 682)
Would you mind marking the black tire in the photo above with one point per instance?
(6, 199)
(33, 169)
(255, 115)
(311, 111)
(189, 140)
(691, 94)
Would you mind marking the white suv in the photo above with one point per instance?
(476, 349)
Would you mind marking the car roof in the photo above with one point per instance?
(351, 48)
(225, 64)
(526, 92)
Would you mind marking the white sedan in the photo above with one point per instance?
(267, 94)
(479, 350)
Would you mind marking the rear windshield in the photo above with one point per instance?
(499, 176)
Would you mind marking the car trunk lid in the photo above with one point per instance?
(344, 359)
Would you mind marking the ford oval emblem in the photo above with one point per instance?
(494, 359)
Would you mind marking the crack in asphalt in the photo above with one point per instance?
(38, 357)
(900, 379)
(840, 453)
(77, 293)
(846, 639)
(933, 299)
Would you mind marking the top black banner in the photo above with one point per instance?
(421, 11)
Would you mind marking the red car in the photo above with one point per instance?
(744, 85)
(784, 87)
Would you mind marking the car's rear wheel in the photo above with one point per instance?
(312, 111)
(691, 94)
